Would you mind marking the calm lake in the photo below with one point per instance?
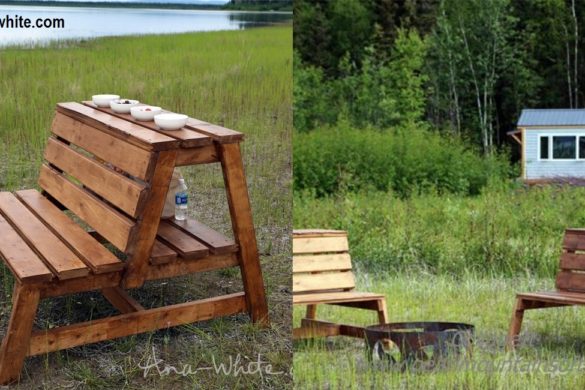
(82, 22)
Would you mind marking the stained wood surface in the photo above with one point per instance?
(188, 138)
(162, 254)
(341, 296)
(323, 281)
(109, 223)
(194, 156)
(57, 256)
(215, 241)
(574, 239)
(318, 233)
(121, 300)
(130, 132)
(186, 267)
(124, 193)
(184, 244)
(321, 262)
(319, 244)
(94, 254)
(134, 323)
(24, 263)
(126, 156)
(218, 133)
(571, 281)
(566, 297)
(573, 261)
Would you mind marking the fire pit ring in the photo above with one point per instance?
(429, 342)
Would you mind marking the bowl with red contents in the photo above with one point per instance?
(144, 113)
(123, 106)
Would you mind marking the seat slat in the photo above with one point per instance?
(58, 257)
(183, 243)
(326, 262)
(162, 254)
(109, 223)
(319, 244)
(323, 281)
(95, 255)
(128, 157)
(218, 243)
(121, 191)
(342, 296)
(24, 263)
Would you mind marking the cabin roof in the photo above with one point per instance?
(552, 117)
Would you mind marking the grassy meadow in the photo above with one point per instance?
(242, 80)
(452, 258)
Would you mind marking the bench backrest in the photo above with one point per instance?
(95, 173)
(571, 276)
(321, 261)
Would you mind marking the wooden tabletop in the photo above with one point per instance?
(195, 134)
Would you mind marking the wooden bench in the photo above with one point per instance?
(570, 284)
(114, 173)
(322, 274)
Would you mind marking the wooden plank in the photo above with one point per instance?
(124, 193)
(91, 282)
(95, 255)
(326, 262)
(22, 261)
(162, 254)
(108, 222)
(135, 134)
(18, 335)
(314, 328)
(575, 261)
(319, 244)
(561, 297)
(141, 246)
(319, 233)
(571, 281)
(194, 156)
(185, 267)
(217, 242)
(57, 256)
(188, 138)
(574, 239)
(323, 281)
(338, 296)
(218, 133)
(186, 246)
(127, 157)
(244, 235)
(133, 323)
(121, 300)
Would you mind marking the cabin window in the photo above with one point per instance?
(582, 147)
(564, 147)
(544, 148)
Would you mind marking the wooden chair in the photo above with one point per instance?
(570, 284)
(322, 275)
(113, 173)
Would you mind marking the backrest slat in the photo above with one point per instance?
(571, 276)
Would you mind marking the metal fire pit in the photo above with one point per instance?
(429, 342)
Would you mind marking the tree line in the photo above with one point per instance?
(463, 67)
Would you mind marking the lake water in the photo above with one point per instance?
(82, 22)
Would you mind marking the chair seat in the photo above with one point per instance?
(335, 297)
(555, 296)
(41, 243)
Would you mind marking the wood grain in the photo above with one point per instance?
(162, 254)
(185, 267)
(319, 244)
(184, 244)
(324, 262)
(215, 241)
(194, 156)
(323, 281)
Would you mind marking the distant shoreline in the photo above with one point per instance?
(179, 6)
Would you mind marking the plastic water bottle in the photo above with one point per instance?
(181, 199)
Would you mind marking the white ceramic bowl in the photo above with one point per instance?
(121, 107)
(170, 121)
(144, 113)
(103, 100)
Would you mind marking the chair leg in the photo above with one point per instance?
(515, 324)
(16, 342)
(311, 312)
(382, 312)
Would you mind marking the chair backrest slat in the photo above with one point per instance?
(571, 276)
(321, 261)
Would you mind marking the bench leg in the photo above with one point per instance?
(382, 312)
(311, 312)
(243, 226)
(515, 324)
(16, 342)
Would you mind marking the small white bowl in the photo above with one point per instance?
(103, 100)
(144, 113)
(170, 121)
(121, 107)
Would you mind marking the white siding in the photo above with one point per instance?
(537, 169)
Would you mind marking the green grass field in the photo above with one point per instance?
(242, 80)
(452, 258)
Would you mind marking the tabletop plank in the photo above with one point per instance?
(133, 133)
(188, 138)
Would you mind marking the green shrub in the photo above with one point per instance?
(404, 161)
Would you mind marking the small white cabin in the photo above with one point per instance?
(552, 144)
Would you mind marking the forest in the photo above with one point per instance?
(462, 68)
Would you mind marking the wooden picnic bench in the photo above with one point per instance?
(570, 284)
(322, 274)
(113, 173)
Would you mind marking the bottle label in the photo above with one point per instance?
(180, 199)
